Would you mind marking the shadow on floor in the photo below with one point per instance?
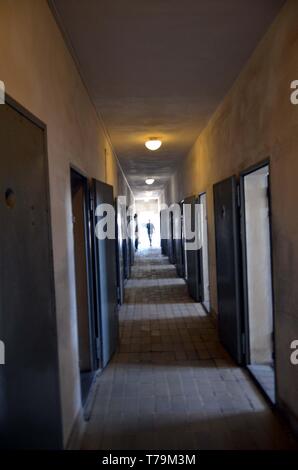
(171, 385)
(187, 427)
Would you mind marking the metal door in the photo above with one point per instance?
(119, 252)
(30, 414)
(130, 223)
(164, 232)
(171, 241)
(105, 279)
(227, 235)
(178, 219)
(87, 334)
(203, 256)
(192, 255)
(127, 221)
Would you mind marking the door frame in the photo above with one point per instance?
(16, 106)
(182, 248)
(93, 327)
(238, 357)
(204, 193)
(119, 253)
(35, 120)
(179, 246)
(99, 315)
(183, 241)
(195, 288)
(27, 114)
(248, 171)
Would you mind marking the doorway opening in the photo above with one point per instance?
(148, 223)
(259, 323)
(204, 258)
(83, 280)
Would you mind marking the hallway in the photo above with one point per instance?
(171, 385)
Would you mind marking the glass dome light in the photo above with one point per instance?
(153, 144)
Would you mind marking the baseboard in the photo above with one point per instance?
(76, 435)
(291, 419)
(74, 441)
(213, 315)
(91, 396)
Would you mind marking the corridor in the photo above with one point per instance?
(171, 385)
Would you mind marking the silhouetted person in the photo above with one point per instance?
(150, 230)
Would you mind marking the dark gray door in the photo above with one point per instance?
(130, 243)
(88, 360)
(227, 265)
(119, 253)
(179, 245)
(106, 279)
(127, 220)
(171, 241)
(125, 258)
(192, 256)
(29, 384)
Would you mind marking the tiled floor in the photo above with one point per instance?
(264, 374)
(171, 385)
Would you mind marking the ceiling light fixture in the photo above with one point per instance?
(153, 144)
(149, 180)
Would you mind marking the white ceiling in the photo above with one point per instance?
(160, 68)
